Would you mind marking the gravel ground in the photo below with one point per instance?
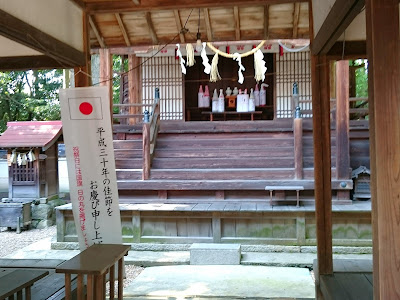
(10, 242)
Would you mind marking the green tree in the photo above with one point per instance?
(361, 77)
(29, 95)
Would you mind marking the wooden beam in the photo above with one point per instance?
(339, 18)
(266, 22)
(342, 120)
(29, 36)
(34, 62)
(179, 25)
(352, 50)
(96, 32)
(208, 24)
(151, 28)
(106, 73)
(237, 22)
(342, 126)
(134, 86)
(128, 6)
(298, 147)
(82, 73)
(123, 29)
(296, 17)
(79, 3)
(322, 162)
(137, 2)
(382, 18)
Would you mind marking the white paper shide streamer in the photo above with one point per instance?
(189, 55)
(237, 57)
(259, 66)
(214, 75)
(181, 60)
(206, 64)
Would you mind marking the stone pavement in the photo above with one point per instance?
(217, 281)
(261, 275)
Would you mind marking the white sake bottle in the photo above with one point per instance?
(214, 106)
(221, 101)
(252, 102)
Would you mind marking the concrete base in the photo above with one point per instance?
(215, 254)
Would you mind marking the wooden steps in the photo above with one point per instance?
(202, 161)
(209, 174)
(215, 163)
(230, 184)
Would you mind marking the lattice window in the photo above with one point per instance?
(164, 73)
(23, 174)
(293, 67)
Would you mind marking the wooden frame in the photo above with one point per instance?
(27, 35)
(340, 16)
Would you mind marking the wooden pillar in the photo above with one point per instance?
(342, 125)
(322, 161)
(298, 147)
(106, 73)
(382, 17)
(82, 73)
(134, 85)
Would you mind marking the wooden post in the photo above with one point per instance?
(82, 73)
(106, 74)
(382, 17)
(146, 151)
(342, 125)
(322, 161)
(298, 147)
(134, 86)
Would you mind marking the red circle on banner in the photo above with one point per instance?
(86, 108)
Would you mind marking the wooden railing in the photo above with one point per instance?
(150, 132)
(130, 113)
(358, 108)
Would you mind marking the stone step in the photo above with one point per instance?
(215, 254)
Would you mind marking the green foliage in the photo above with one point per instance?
(361, 77)
(29, 95)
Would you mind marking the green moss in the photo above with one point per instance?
(70, 228)
(265, 232)
(127, 231)
(346, 232)
(365, 234)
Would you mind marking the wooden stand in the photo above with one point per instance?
(95, 262)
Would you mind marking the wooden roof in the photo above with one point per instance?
(31, 134)
(157, 22)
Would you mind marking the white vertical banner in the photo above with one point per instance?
(85, 114)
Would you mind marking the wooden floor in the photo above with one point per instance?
(357, 206)
(351, 279)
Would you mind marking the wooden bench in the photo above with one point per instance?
(18, 282)
(272, 188)
(251, 113)
(95, 263)
(48, 287)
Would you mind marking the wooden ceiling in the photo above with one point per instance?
(126, 23)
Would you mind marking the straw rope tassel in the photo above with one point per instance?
(214, 75)
(259, 66)
(189, 55)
